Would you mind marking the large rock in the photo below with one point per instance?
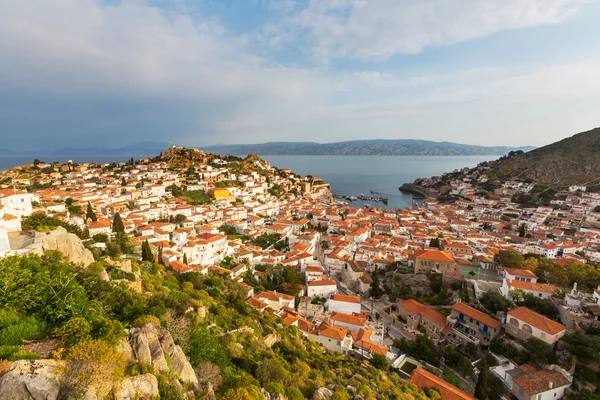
(147, 348)
(31, 380)
(69, 245)
(322, 394)
(137, 388)
(179, 362)
(418, 283)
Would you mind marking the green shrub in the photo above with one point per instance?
(275, 387)
(76, 330)
(146, 319)
(109, 330)
(7, 351)
(14, 328)
(23, 355)
(293, 393)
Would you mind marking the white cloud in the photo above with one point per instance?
(378, 29)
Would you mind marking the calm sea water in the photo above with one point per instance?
(348, 175)
(353, 175)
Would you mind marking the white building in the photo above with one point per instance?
(322, 288)
(344, 304)
(540, 290)
(524, 323)
(17, 202)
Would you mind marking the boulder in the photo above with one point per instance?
(31, 380)
(322, 394)
(179, 362)
(125, 347)
(69, 245)
(138, 387)
(147, 348)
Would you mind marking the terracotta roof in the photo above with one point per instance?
(346, 298)
(362, 339)
(358, 320)
(420, 309)
(332, 331)
(541, 381)
(323, 282)
(423, 379)
(539, 321)
(274, 296)
(536, 287)
(435, 255)
(520, 272)
(477, 315)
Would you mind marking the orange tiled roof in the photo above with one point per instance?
(358, 320)
(539, 381)
(420, 309)
(422, 378)
(477, 315)
(346, 298)
(537, 287)
(539, 321)
(435, 255)
(520, 272)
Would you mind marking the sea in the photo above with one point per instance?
(356, 175)
(347, 175)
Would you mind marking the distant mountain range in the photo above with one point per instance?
(575, 159)
(377, 147)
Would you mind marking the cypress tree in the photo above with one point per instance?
(481, 387)
(147, 252)
(89, 214)
(118, 226)
(160, 259)
(123, 182)
(185, 260)
(522, 230)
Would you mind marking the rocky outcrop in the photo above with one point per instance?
(69, 245)
(417, 283)
(137, 388)
(152, 346)
(31, 380)
(322, 394)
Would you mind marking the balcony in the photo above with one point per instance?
(466, 337)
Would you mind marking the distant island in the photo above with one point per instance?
(377, 147)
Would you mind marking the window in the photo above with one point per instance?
(470, 319)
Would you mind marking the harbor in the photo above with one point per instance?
(362, 197)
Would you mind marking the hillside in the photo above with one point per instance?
(377, 147)
(571, 160)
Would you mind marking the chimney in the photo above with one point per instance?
(574, 288)
(551, 384)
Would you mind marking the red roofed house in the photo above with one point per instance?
(433, 260)
(420, 318)
(332, 337)
(363, 343)
(275, 300)
(344, 303)
(524, 323)
(100, 226)
(546, 384)
(472, 326)
(520, 275)
(353, 322)
(540, 290)
(425, 379)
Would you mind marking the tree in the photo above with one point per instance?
(159, 256)
(270, 370)
(509, 259)
(185, 259)
(376, 291)
(493, 301)
(379, 361)
(147, 252)
(435, 242)
(118, 226)
(123, 182)
(89, 214)
(522, 230)
(481, 386)
(517, 294)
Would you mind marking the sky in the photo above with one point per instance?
(87, 73)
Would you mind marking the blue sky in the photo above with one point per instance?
(78, 73)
